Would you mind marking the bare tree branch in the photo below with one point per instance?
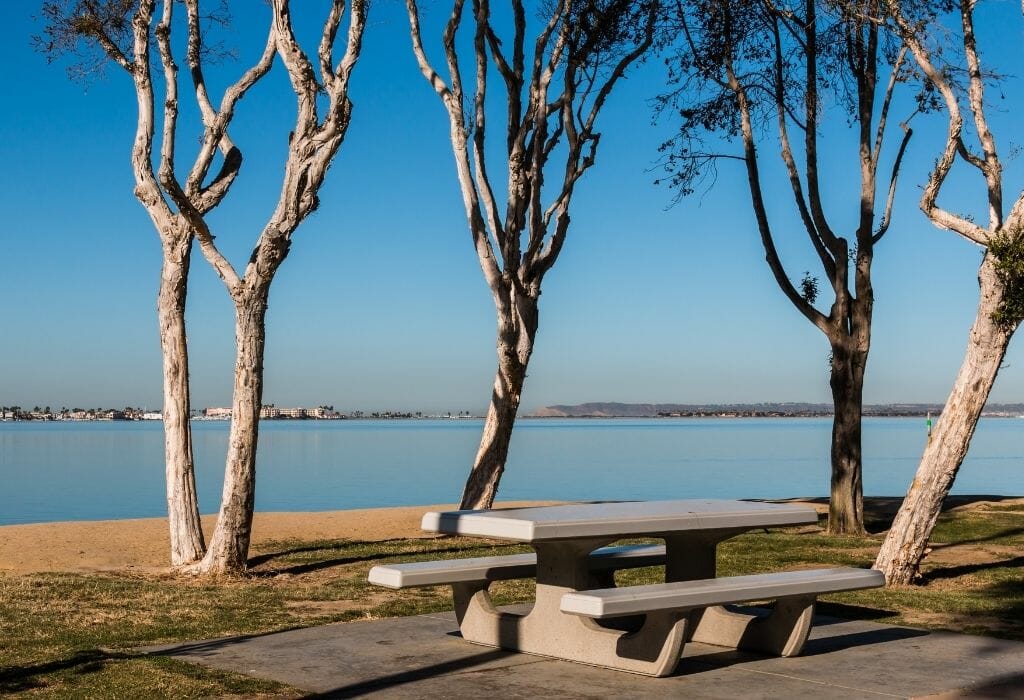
(327, 39)
(507, 244)
(887, 102)
(300, 70)
(167, 177)
(757, 199)
(170, 121)
(440, 87)
(976, 98)
(937, 178)
(890, 198)
(147, 189)
(786, 151)
(215, 121)
(811, 140)
(452, 100)
(353, 47)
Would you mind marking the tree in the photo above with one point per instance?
(555, 86)
(123, 31)
(312, 145)
(126, 30)
(742, 66)
(1000, 279)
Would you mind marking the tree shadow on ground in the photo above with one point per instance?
(841, 612)
(404, 677)
(338, 547)
(15, 679)
(1010, 687)
(879, 511)
(967, 569)
(1002, 534)
(948, 572)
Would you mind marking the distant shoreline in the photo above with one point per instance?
(726, 416)
(547, 414)
(758, 410)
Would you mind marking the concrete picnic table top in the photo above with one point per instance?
(616, 518)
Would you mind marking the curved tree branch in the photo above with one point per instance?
(452, 100)
(828, 262)
(937, 178)
(887, 213)
(976, 98)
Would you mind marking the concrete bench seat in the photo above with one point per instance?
(633, 600)
(510, 566)
(782, 631)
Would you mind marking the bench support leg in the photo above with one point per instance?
(783, 631)
(653, 650)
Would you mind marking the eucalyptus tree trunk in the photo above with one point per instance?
(904, 547)
(186, 532)
(229, 544)
(516, 334)
(846, 495)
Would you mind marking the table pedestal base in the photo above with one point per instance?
(782, 632)
(653, 650)
(652, 645)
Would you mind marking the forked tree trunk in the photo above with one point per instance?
(517, 330)
(229, 545)
(846, 497)
(186, 533)
(904, 547)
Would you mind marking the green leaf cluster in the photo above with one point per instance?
(1008, 250)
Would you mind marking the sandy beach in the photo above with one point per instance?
(143, 544)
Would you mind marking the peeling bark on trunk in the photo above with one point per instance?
(905, 545)
(846, 500)
(229, 545)
(515, 345)
(186, 533)
(482, 485)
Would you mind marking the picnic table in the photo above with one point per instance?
(579, 614)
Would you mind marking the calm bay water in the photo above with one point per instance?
(106, 470)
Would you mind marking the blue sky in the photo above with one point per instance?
(381, 304)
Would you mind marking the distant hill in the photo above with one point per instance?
(654, 410)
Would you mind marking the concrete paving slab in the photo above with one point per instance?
(424, 656)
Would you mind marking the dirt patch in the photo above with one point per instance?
(959, 623)
(964, 554)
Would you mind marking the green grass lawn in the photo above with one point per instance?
(75, 635)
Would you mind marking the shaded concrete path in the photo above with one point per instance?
(424, 657)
